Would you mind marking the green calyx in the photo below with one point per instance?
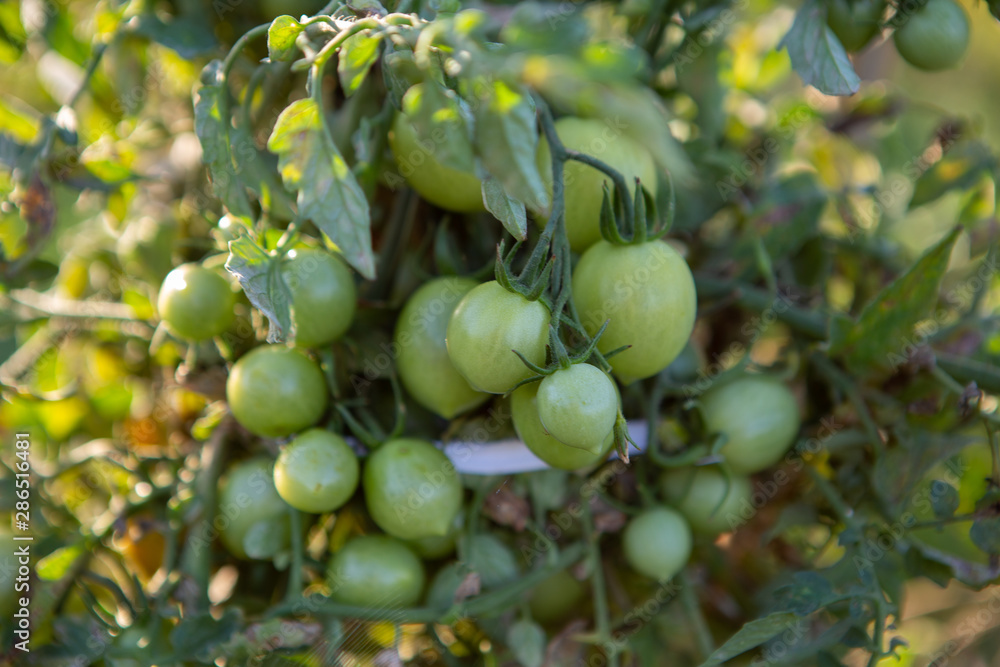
(633, 221)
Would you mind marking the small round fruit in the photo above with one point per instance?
(323, 296)
(411, 489)
(249, 502)
(657, 543)
(759, 417)
(935, 36)
(448, 188)
(556, 598)
(710, 504)
(275, 391)
(317, 472)
(647, 292)
(375, 571)
(524, 413)
(488, 324)
(578, 406)
(584, 184)
(423, 362)
(195, 303)
(854, 22)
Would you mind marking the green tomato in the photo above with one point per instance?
(524, 413)
(249, 502)
(705, 499)
(376, 571)
(317, 472)
(657, 543)
(411, 489)
(488, 324)
(145, 246)
(647, 292)
(439, 546)
(441, 185)
(759, 417)
(854, 22)
(935, 36)
(578, 406)
(275, 391)
(583, 183)
(556, 598)
(422, 360)
(490, 558)
(195, 303)
(323, 296)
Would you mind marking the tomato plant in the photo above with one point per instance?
(316, 472)
(411, 489)
(935, 36)
(375, 570)
(424, 366)
(195, 303)
(276, 391)
(487, 326)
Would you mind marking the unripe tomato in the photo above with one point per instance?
(411, 489)
(524, 413)
(556, 598)
(195, 303)
(248, 501)
(648, 294)
(759, 417)
(704, 498)
(657, 543)
(854, 22)
(422, 361)
(583, 184)
(323, 296)
(275, 391)
(317, 472)
(441, 185)
(376, 571)
(145, 246)
(935, 36)
(578, 406)
(488, 324)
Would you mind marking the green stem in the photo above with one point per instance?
(702, 635)
(601, 613)
(845, 383)
(809, 322)
(844, 512)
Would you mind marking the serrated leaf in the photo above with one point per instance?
(57, 564)
(212, 131)
(752, 635)
(328, 192)
(443, 122)
(985, 534)
(817, 55)
(959, 169)
(944, 499)
(509, 211)
(281, 36)
(527, 642)
(885, 326)
(260, 277)
(506, 139)
(195, 636)
(897, 474)
(355, 58)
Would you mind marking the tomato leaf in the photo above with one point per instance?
(356, 56)
(944, 499)
(190, 36)
(212, 131)
(879, 337)
(328, 192)
(196, 635)
(506, 139)
(817, 55)
(57, 564)
(281, 36)
(752, 635)
(260, 277)
(442, 121)
(527, 642)
(505, 208)
(959, 169)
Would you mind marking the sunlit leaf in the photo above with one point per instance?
(816, 53)
(281, 36)
(355, 58)
(260, 277)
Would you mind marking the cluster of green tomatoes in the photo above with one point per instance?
(931, 35)
(458, 343)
